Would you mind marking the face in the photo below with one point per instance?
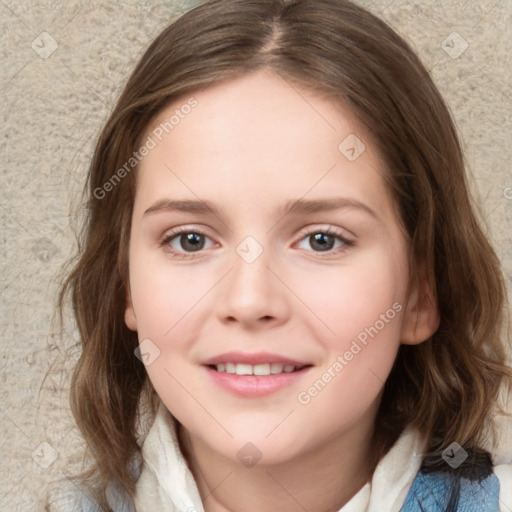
(264, 240)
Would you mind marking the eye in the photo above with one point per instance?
(325, 240)
(183, 242)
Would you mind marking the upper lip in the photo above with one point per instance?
(253, 359)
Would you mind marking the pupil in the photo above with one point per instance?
(193, 241)
(323, 241)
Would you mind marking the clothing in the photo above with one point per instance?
(166, 483)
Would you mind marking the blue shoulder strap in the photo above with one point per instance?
(431, 493)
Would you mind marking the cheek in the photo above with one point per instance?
(169, 302)
(358, 357)
(166, 296)
(361, 308)
(353, 298)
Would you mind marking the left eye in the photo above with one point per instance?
(323, 241)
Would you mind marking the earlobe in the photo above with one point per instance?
(129, 314)
(421, 317)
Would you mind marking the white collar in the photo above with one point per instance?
(166, 483)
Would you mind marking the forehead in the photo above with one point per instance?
(262, 137)
(241, 106)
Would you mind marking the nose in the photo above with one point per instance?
(252, 294)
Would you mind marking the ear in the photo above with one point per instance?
(129, 314)
(421, 317)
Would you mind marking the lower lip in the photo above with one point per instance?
(251, 386)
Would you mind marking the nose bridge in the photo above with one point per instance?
(251, 291)
(250, 276)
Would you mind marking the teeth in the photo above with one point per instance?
(261, 369)
(243, 369)
(257, 369)
(276, 368)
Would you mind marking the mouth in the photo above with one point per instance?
(262, 369)
(259, 380)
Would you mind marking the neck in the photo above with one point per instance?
(324, 479)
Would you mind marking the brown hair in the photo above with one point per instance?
(448, 386)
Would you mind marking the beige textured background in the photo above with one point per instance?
(52, 109)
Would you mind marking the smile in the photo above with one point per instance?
(257, 369)
(243, 380)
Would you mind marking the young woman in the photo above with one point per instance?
(282, 269)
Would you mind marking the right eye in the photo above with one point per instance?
(183, 242)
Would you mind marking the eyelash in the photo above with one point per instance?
(325, 231)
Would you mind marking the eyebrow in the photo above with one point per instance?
(293, 206)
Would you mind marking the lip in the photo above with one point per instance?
(256, 358)
(254, 386)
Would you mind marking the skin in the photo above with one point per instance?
(249, 146)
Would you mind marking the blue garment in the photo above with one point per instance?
(431, 493)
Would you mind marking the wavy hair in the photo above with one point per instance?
(447, 387)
